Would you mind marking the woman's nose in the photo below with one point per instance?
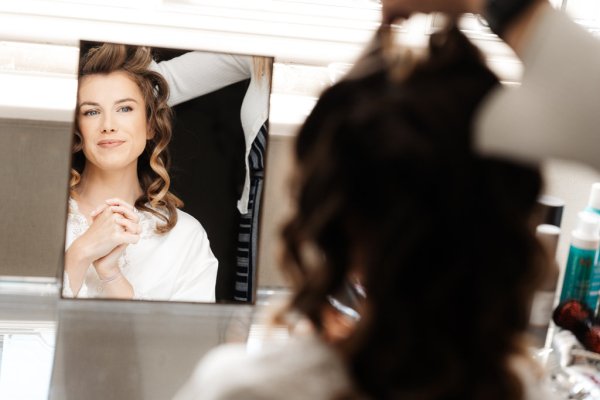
(108, 126)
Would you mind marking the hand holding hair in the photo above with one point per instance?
(396, 9)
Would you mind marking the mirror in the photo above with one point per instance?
(147, 226)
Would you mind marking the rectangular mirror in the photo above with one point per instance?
(166, 174)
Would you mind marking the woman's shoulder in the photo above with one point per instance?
(186, 223)
(299, 369)
(211, 377)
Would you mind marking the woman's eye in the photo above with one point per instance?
(125, 109)
(90, 113)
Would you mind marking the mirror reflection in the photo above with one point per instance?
(166, 174)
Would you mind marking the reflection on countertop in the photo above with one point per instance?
(74, 349)
(28, 320)
(26, 353)
(108, 349)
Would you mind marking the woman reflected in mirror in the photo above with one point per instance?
(126, 237)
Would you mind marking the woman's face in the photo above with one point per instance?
(112, 120)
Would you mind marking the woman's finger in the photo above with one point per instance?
(129, 225)
(98, 211)
(118, 202)
(130, 238)
(393, 10)
(126, 212)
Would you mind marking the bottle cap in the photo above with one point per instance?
(548, 237)
(594, 200)
(588, 224)
(551, 210)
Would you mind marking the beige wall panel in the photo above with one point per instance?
(34, 158)
(275, 209)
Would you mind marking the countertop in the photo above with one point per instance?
(106, 349)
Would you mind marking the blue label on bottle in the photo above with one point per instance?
(592, 210)
(591, 298)
(578, 275)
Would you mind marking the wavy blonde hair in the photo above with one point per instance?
(154, 162)
(263, 67)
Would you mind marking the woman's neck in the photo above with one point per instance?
(97, 186)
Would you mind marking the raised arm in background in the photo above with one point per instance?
(554, 112)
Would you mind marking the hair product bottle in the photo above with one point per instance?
(594, 200)
(544, 298)
(579, 271)
(594, 291)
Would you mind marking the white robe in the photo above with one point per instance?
(177, 265)
(302, 368)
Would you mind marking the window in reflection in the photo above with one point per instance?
(26, 355)
(166, 207)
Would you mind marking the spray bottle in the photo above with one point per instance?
(579, 271)
(594, 207)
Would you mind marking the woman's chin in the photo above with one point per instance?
(115, 165)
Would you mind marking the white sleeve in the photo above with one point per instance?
(198, 275)
(224, 373)
(536, 385)
(197, 73)
(556, 110)
(68, 292)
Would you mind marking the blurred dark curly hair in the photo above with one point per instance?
(388, 184)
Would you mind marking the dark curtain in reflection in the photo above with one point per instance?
(208, 172)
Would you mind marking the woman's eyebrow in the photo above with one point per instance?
(125, 100)
(91, 103)
(88, 103)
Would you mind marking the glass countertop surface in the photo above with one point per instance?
(54, 348)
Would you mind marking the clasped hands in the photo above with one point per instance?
(115, 225)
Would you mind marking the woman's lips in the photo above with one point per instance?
(109, 143)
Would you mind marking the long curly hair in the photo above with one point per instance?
(388, 184)
(153, 163)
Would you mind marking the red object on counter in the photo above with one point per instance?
(575, 316)
(572, 315)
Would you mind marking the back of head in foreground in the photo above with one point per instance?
(389, 188)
